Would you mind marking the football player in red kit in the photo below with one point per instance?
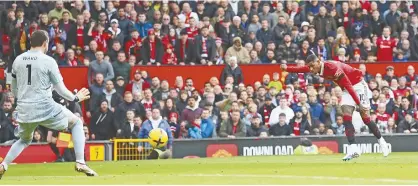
(356, 94)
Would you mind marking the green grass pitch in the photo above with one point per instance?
(398, 168)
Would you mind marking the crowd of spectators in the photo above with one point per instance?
(210, 31)
(112, 36)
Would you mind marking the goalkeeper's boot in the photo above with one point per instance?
(384, 147)
(352, 152)
(83, 168)
(2, 170)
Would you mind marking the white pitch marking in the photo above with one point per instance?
(303, 177)
(387, 180)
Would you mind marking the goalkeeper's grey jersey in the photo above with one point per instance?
(35, 73)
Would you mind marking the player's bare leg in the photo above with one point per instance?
(79, 139)
(365, 115)
(352, 151)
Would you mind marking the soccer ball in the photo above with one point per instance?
(158, 138)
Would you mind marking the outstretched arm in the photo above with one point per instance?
(295, 69)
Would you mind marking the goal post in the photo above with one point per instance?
(127, 149)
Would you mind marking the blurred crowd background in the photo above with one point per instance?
(110, 37)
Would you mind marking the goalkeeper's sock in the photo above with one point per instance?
(15, 151)
(349, 129)
(372, 127)
(79, 140)
(55, 149)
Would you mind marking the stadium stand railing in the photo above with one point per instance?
(127, 149)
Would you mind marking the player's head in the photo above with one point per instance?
(40, 39)
(313, 63)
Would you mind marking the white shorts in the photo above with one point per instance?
(363, 92)
(58, 122)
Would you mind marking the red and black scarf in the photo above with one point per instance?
(57, 39)
(204, 47)
(266, 115)
(152, 49)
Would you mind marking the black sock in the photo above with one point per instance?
(349, 130)
(373, 128)
(55, 149)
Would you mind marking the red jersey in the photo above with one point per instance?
(101, 40)
(385, 49)
(192, 32)
(382, 118)
(133, 43)
(404, 92)
(342, 74)
(366, 5)
(169, 59)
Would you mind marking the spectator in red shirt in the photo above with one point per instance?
(149, 102)
(192, 31)
(99, 36)
(402, 90)
(169, 57)
(385, 45)
(133, 45)
(382, 117)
